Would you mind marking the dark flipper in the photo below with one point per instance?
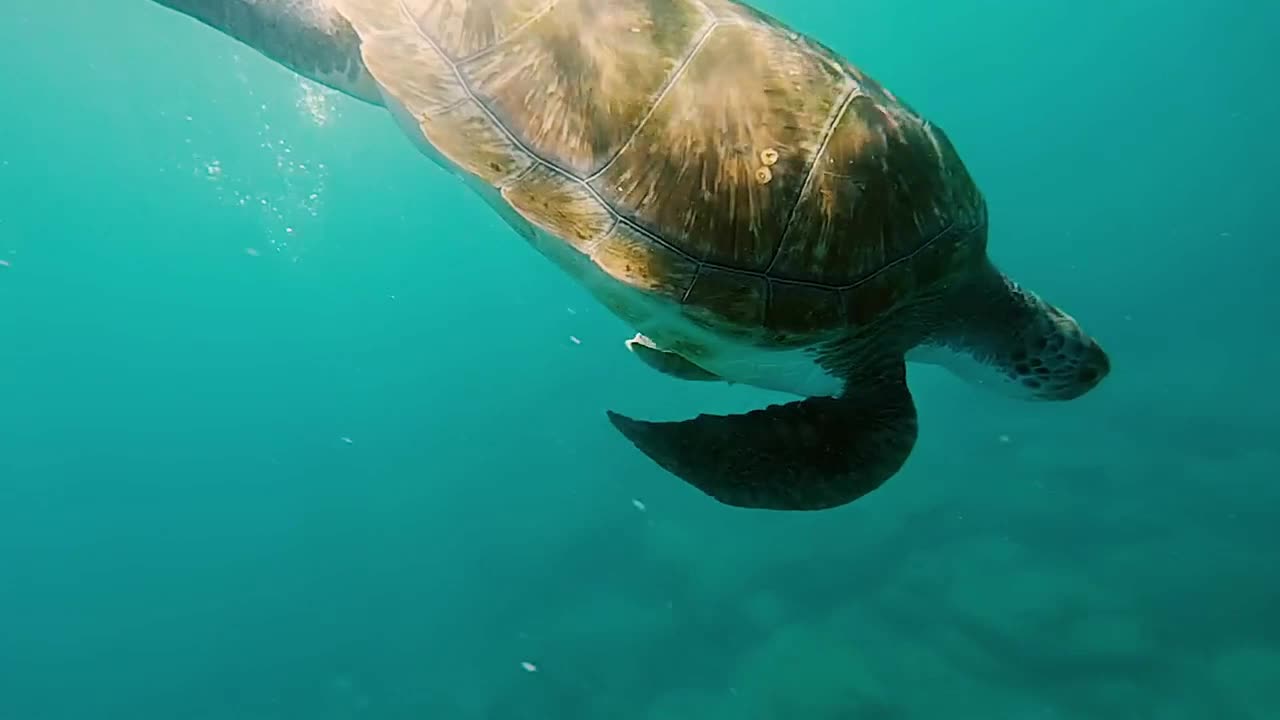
(665, 362)
(309, 38)
(811, 454)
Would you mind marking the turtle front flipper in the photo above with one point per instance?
(811, 454)
(666, 362)
(306, 36)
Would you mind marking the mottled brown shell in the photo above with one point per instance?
(692, 148)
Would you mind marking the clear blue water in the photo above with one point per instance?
(292, 426)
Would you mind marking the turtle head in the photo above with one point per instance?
(309, 37)
(1057, 359)
(1012, 341)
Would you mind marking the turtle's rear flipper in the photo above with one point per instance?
(807, 455)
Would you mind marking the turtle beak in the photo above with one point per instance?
(1092, 366)
(1095, 367)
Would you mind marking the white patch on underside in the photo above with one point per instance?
(968, 368)
(788, 371)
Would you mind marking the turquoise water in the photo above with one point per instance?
(292, 425)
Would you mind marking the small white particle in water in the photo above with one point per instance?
(575, 340)
(289, 230)
(571, 311)
(251, 252)
(528, 666)
(5, 263)
(1005, 439)
(639, 505)
(391, 297)
(346, 440)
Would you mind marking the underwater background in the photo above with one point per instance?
(293, 426)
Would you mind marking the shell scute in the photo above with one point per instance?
(796, 311)
(630, 257)
(880, 189)
(462, 28)
(559, 207)
(720, 295)
(467, 137)
(721, 160)
(578, 80)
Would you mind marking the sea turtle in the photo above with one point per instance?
(755, 206)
